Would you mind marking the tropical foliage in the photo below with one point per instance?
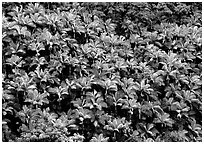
(102, 72)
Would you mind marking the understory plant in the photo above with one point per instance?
(101, 72)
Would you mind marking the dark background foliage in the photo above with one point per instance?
(102, 71)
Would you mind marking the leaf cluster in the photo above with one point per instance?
(101, 72)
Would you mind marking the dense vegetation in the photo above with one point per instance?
(102, 72)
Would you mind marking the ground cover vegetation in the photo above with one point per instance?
(101, 72)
